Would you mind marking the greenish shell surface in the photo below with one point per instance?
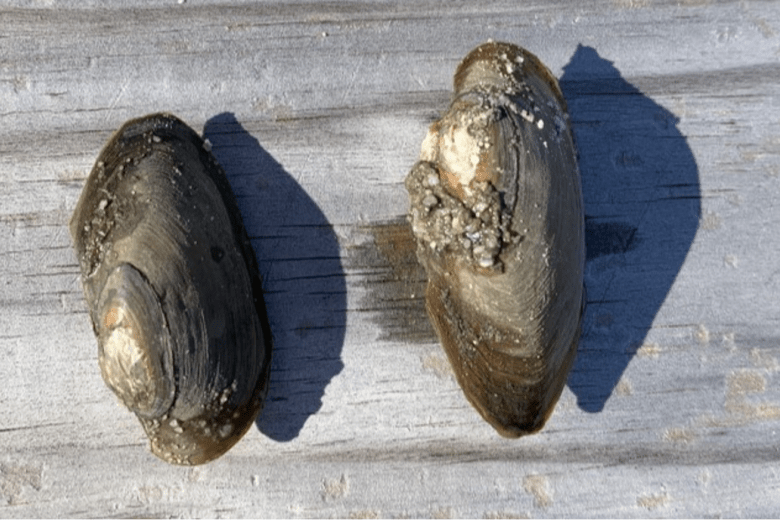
(496, 210)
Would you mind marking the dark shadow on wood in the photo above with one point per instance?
(642, 206)
(303, 280)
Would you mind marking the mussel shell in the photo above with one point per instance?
(496, 208)
(173, 290)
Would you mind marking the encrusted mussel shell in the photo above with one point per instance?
(173, 290)
(496, 210)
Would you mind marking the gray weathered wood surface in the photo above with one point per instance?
(317, 111)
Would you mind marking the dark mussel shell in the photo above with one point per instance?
(496, 209)
(173, 290)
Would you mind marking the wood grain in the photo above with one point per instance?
(317, 111)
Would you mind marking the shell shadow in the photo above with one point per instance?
(303, 280)
(642, 207)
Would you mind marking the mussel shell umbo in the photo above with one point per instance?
(496, 209)
(173, 290)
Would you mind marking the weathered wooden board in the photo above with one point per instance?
(317, 111)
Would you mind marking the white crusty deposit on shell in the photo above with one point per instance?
(496, 209)
(463, 189)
